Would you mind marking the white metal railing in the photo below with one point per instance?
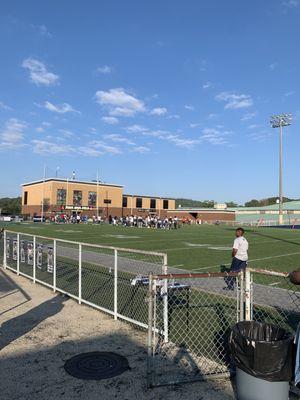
(105, 277)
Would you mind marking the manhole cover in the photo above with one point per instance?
(96, 365)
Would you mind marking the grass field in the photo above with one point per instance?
(195, 248)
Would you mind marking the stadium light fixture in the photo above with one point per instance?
(279, 121)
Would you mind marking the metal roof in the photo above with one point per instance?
(289, 205)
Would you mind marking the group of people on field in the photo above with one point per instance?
(149, 221)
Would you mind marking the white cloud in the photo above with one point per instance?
(158, 111)
(39, 73)
(4, 106)
(272, 66)
(90, 151)
(173, 116)
(189, 107)
(40, 129)
(105, 69)
(47, 147)
(235, 101)
(207, 85)
(60, 108)
(119, 102)
(195, 125)
(13, 134)
(110, 120)
(97, 144)
(119, 139)
(136, 129)
(253, 126)
(141, 149)
(248, 116)
(291, 3)
(212, 115)
(180, 141)
(42, 30)
(287, 94)
(214, 136)
(66, 133)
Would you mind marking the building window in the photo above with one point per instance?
(107, 201)
(139, 202)
(92, 199)
(61, 197)
(125, 201)
(25, 198)
(77, 198)
(166, 204)
(153, 203)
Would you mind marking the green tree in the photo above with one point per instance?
(10, 206)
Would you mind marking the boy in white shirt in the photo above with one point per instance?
(239, 256)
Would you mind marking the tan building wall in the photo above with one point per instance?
(146, 202)
(110, 199)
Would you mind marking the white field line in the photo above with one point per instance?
(254, 259)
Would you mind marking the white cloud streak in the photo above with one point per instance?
(60, 108)
(13, 134)
(234, 100)
(110, 120)
(4, 106)
(159, 111)
(119, 102)
(105, 69)
(39, 74)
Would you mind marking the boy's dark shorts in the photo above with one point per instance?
(237, 265)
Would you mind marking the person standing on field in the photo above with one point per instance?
(239, 256)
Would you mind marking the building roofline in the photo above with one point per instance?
(149, 197)
(70, 181)
(211, 210)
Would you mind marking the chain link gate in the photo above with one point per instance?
(189, 322)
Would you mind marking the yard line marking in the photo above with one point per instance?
(254, 259)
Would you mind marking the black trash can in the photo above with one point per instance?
(263, 354)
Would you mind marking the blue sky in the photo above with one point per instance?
(165, 97)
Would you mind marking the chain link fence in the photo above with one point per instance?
(190, 319)
(274, 299)
(114, 280)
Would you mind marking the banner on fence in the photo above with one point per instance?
(23, 251)
(39, 257)
(15, 250)
(50, 259)
(30, 253)
(8, 248)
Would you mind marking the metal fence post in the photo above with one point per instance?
(54, 265)
(4, 250)
(241, 300)
(34, 260)
(115, 284)
(150, 332)
(79, 273)
(18, 254)
(247, 295)
(166, 301)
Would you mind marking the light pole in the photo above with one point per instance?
(279, 121)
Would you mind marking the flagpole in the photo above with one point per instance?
(43, 194)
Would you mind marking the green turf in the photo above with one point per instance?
(199, 248)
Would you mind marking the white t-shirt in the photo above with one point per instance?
(241, 245)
